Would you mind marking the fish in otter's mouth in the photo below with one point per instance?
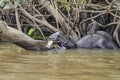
(52, 44)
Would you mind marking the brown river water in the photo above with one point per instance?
(79, 64)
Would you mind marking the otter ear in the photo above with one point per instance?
(60, 32)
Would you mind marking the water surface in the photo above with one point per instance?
(82, 64)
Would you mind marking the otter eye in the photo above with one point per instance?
(58, 36)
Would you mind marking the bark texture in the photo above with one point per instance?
(20, 39)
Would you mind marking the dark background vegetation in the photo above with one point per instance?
(75, 18)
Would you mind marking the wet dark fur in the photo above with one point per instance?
(95, 40)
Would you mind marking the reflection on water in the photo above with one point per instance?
(19, 64)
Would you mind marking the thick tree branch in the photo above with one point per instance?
(20, 39)
(60, 19)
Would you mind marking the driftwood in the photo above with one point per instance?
(20, 39)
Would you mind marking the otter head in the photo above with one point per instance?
(59, 40)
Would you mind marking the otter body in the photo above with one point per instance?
(100, 40)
